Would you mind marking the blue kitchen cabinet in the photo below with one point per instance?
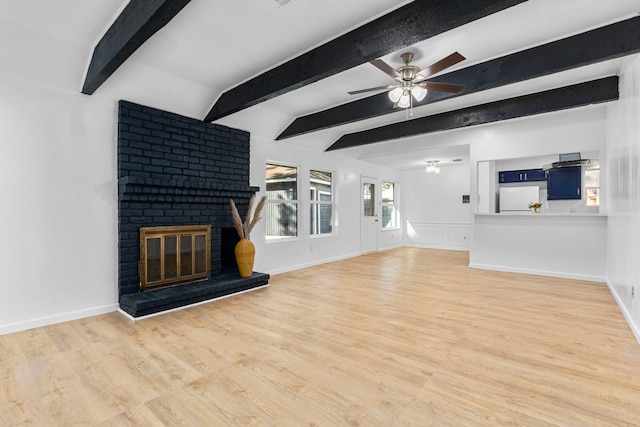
(564, 183)
(535, 175)
(510, 176)
(524, 175)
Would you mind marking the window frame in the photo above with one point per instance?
(316, 203)
(271, 202)
(591, 187)
(394, 204)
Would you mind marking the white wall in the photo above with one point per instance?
(570, 246)
(435, 216)
(583, 130)
(280, 256)
(623, 154)
(58, 223)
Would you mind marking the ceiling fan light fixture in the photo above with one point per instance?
(395, 94)
(433, 167)
(418, 92)
(404, 100)
(411, 81)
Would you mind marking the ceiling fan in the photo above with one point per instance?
(411, 80)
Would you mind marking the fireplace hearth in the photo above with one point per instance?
(177, 174)
(224, 284)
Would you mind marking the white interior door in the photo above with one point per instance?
(369, 219)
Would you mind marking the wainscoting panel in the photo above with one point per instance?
(439, 235)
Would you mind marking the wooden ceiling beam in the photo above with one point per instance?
(578, 95)
(139, 20)
(406, 26)
(602, 44)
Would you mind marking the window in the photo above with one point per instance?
(321, 197)
(592, 186)
(281, 214)
(368, 199)
(389, 214)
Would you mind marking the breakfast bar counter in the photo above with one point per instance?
(568, 245)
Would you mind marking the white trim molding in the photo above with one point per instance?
(58, 318)
(438, 235)
(635, 328)
(559, 274)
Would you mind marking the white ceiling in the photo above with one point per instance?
(212, 46)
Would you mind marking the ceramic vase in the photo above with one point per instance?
(245, 255)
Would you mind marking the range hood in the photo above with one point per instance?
(569, 160)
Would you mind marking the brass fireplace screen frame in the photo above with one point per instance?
(174, 255)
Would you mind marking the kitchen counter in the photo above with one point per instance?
(568, 245)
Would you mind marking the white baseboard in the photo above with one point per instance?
(57, 318)
(353, 255)
(310, 264)
(443, 247)
(634, 327)
(559, 274)
(388, 248)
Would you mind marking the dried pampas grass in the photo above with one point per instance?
(253, 216)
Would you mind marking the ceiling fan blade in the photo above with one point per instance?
(443, 87)
(385, 68)
(444, 63)
(371, 89)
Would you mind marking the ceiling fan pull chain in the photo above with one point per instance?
(411, 105)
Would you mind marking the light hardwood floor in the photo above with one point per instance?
(402, 337)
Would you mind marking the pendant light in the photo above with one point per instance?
(433, 167)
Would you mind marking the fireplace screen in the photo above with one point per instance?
(174, 255)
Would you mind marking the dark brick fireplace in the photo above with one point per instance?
(174, 171)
